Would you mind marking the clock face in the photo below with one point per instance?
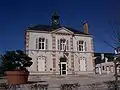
(56, 21)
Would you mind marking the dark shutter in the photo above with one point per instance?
(58, 44)
(77, 46)
(67, 45)
(85, 45)
(46, 44)
(37, 43)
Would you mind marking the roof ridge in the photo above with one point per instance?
(50, 28)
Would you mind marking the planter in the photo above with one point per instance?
(17, 77)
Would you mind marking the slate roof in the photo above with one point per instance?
(50, 28)
(98, 59)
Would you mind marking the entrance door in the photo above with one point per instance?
(63, 68)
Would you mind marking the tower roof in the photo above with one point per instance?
(55, 14)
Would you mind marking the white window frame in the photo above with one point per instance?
(44, 43)
(81, 45)
(63, 44)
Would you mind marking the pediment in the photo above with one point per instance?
(63, 30)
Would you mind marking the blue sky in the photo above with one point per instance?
(16, 15)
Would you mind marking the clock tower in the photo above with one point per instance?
(55, 20)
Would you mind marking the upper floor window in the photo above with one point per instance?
(81, 45)
(63, 44)
(41, 43)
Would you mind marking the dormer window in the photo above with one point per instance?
(41, 43)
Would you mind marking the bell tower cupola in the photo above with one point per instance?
(55, 20)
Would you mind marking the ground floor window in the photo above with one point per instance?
(41, 63)
(82, 64)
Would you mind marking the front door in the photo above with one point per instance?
(63, 68)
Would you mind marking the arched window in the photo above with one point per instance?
(41, 43)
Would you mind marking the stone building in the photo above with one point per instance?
(104, 63)
(57, 49)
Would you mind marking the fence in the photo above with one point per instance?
(24, 87)
(94, 86)
(75, 86)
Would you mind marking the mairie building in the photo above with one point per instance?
(59, 50)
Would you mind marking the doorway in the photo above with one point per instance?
(63, 68)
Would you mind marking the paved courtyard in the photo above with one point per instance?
(81, 79)
(54, 81)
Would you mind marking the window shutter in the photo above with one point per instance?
(46, 44)
(37, 43)
(58, 44)
(85, 46)
(77, 46)
(67, 45)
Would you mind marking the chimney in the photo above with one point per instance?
(85, 26)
